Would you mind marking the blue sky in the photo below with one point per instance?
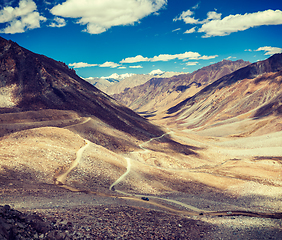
(102, 37)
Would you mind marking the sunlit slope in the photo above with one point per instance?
(250, 97)
(159, 94)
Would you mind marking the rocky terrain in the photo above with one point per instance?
(76, 164)
(158, 94)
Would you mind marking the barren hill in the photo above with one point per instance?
(253, 92)
(32, 82)
(158, 94)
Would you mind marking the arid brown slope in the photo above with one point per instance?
(30, 82)
(159, 94)
(253, 91)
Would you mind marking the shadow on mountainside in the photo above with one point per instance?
(168, 145)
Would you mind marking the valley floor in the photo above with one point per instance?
(229, 189)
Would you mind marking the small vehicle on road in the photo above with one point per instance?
(145, 198)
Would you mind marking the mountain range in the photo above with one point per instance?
(158, 94)
(115, 83)
(258, 86)
(202, 147)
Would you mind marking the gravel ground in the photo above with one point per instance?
(77, 215)
(129, 222)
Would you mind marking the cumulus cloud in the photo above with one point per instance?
(191, 30)
(109, 64)
(213, 25)
(138, 58)
(156, 72)
(98, 16)
(212, 16)
(82, 65)
(270, 50)
(186, 16)
(21, 18)
(163, 58)
(167, 57)
(58, 22)
(238, 22)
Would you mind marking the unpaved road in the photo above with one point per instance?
(61, 179)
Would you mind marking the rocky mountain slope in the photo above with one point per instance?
(158, 94)
(32, 82)
(252, 92)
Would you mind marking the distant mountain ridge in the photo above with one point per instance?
(158, 94)
(252, 93)
(115, 83)
(272, 64)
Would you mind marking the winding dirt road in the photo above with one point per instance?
(128, 168)
(195, 211)
(60, 180)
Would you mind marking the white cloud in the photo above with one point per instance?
(208, 57)
(22, 18)
(196, 6)
(270, 50)
(175, 30)
(181, 56)
(58, 22)
(81, 65)
(109, 64)
(114, 75)
(238, 22)
(191, 63)
(163, 58)
(213, 16)
(156, 72)
(138, 66)
(230, 57)
(213, 25)
(138, 58)
(191, 30)
(119, 77)
(186, 16)
(104, 14)
(167, 57)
